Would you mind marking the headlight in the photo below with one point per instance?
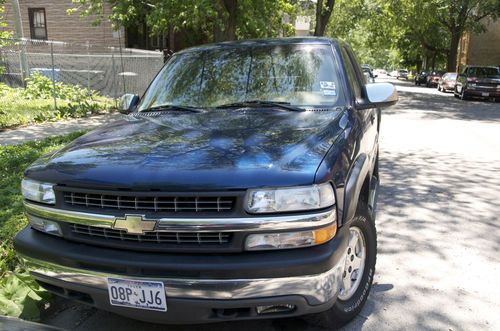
(267, 241)
(37, 191)
(278, 200)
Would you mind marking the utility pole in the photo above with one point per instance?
(18, 22)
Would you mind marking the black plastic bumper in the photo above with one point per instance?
(266, 264)
(286, 266)
(185, 311)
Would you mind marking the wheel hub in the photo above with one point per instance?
(355, 259)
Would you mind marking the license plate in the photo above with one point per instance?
(485, 94)
(137, 294)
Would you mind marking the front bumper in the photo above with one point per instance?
(482, 93)
(199, 288)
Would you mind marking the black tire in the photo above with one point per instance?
(344, 311)
(463, 95)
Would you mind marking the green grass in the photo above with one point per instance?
(20, 296)
(16, 109)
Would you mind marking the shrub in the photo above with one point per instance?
(35, 102)
(39, 86)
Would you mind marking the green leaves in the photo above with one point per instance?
(20, 295)
(204, 20)
(35, 102)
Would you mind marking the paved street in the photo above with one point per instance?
(438, 265)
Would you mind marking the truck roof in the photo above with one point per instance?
(262, 42)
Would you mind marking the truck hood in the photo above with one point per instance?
(180, 151)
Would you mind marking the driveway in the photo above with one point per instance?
(438, 265)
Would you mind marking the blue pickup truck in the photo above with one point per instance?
(241, 185)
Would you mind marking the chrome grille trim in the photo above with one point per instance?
(159, 237)
(150, 203)
(202, 224)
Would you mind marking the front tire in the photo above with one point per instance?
(463, 95)
(360, 259)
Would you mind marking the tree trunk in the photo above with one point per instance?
(452, 55)
(323, 13)
(225, 26)
(231, 7)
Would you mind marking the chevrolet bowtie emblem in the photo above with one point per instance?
(134, 224)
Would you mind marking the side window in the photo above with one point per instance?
(351, 75)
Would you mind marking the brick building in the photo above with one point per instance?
(481, 49)
(48, 19)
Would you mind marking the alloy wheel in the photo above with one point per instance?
(355, 260)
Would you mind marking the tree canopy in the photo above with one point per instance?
(389, 33)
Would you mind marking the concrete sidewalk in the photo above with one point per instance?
(48, 129)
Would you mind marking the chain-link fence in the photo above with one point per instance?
(109, 70)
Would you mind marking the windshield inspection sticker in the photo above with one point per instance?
(329, 92)
(324, 84)
(328, 88)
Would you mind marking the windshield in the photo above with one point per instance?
(299, 74)
(484, 72)
(450, 76)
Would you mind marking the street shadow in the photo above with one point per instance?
(441, 106)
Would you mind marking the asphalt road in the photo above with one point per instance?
(438, 264)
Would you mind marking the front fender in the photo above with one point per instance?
(353, 186)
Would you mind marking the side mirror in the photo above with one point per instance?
(128, 102)
(381, 94)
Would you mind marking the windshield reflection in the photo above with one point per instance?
(303, 75)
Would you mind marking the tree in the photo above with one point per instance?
(324, 9)
(437, 25)
(459, 16)
(214, 20)
(4, 35)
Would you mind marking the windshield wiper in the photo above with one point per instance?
(257, 103)
(173, 107)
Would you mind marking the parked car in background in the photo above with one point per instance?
(223, 195)
(433, 78)
(447, 82)
(478, 82)
(369, 75)
(380, 72)
(421, 77)
(402, 73)
(393, 73)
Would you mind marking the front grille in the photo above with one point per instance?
(154, 237)
(486, 86)
(150, 203)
